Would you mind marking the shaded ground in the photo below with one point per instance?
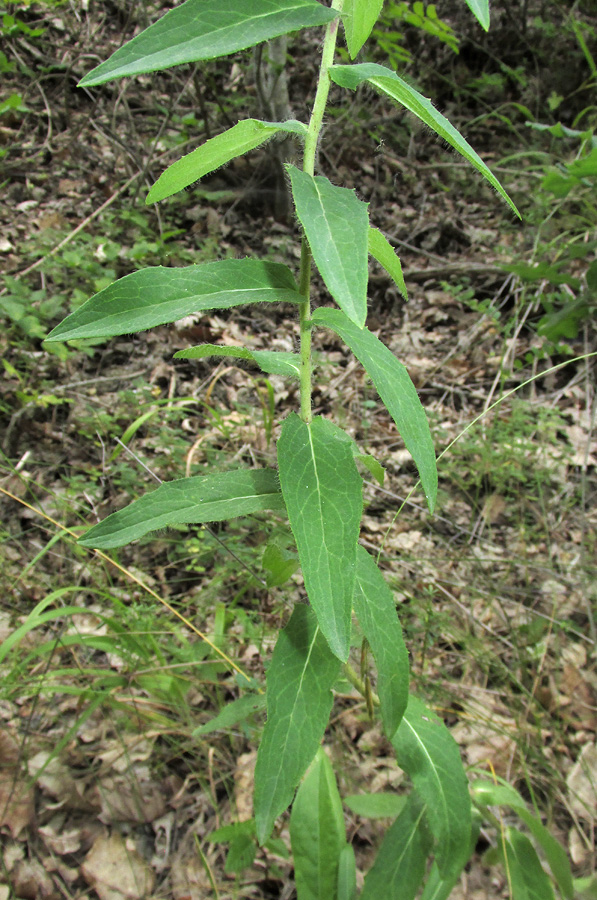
(496, 592)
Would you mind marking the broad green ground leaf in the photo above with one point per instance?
(217, 151)
(395, 388)
(526, 877)
(299, 701)
(395, 87)
(203, 498)
(383, 805)
(317, 833)
(359, 17)
(336, 224)
(381, 250)
(234, 712)
(400, 863)
(480, 10)
(206, 29)
(376, 612)
(347, 873)
(489, 794)
(427, 752)
(157, 295)
(323, 493)
(273, 362)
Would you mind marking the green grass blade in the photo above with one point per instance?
(395, 388)
(157, 295)
(395, 87)
(336, 224)
(216, 152)
(359, 17)
(234, 712)
(323, 492)
(487, 793)
(206, 29)
(376, 612)
(204, 498)
(381, 250)
(299, 701)
(317, 833)
(272, 362)
(400, 864)
(428, 753)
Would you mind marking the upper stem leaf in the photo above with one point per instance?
(359, 17)
(157, 295)
(323, 492)
(336, 224)
(203, 498)
(395, 388)
(217, 151)
(206, 29)
(395, 87)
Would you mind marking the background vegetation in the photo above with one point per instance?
(108, 700)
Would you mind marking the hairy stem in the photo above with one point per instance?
(313, 133)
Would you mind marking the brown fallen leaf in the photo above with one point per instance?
(16, 798)
(117, 872)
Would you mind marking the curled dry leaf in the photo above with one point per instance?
(116, 871)
(16, 798)
(582, 784)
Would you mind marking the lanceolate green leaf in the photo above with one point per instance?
(427, 752)
(336, 224)
(317, 833)
(158, 295)
(347, 873)
(299, 701)
(480, 9)
(323, 494)
(487, 793)
(400, 864)
(376, 612)
(527, 880)
(204, 498)
(381, 250)
(395, 388)
(206, 29)
(395, 87)
(273, 362)
(359, 17)
(217, 151)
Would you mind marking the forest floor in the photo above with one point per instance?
(111, 779)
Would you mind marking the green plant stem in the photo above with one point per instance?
(358, 683)
(313, 133)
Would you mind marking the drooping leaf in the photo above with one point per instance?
(399, 866)
(323, 494)
(376, 612)
(336, 224)
(526, 878)
(383, 805)
(480, 10)
(299, 701)
(395, 388)
(157, 295)
(317, 833)
(217, 151)
(375, 468)
(230, 715)
(273, 362)
(428, 753)
(436, 886)
(203, 498)
(359, 17)
(347, 873)
(395, 87)
(206, 29)
(279, 563)
(489, 794)
(381, 250)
